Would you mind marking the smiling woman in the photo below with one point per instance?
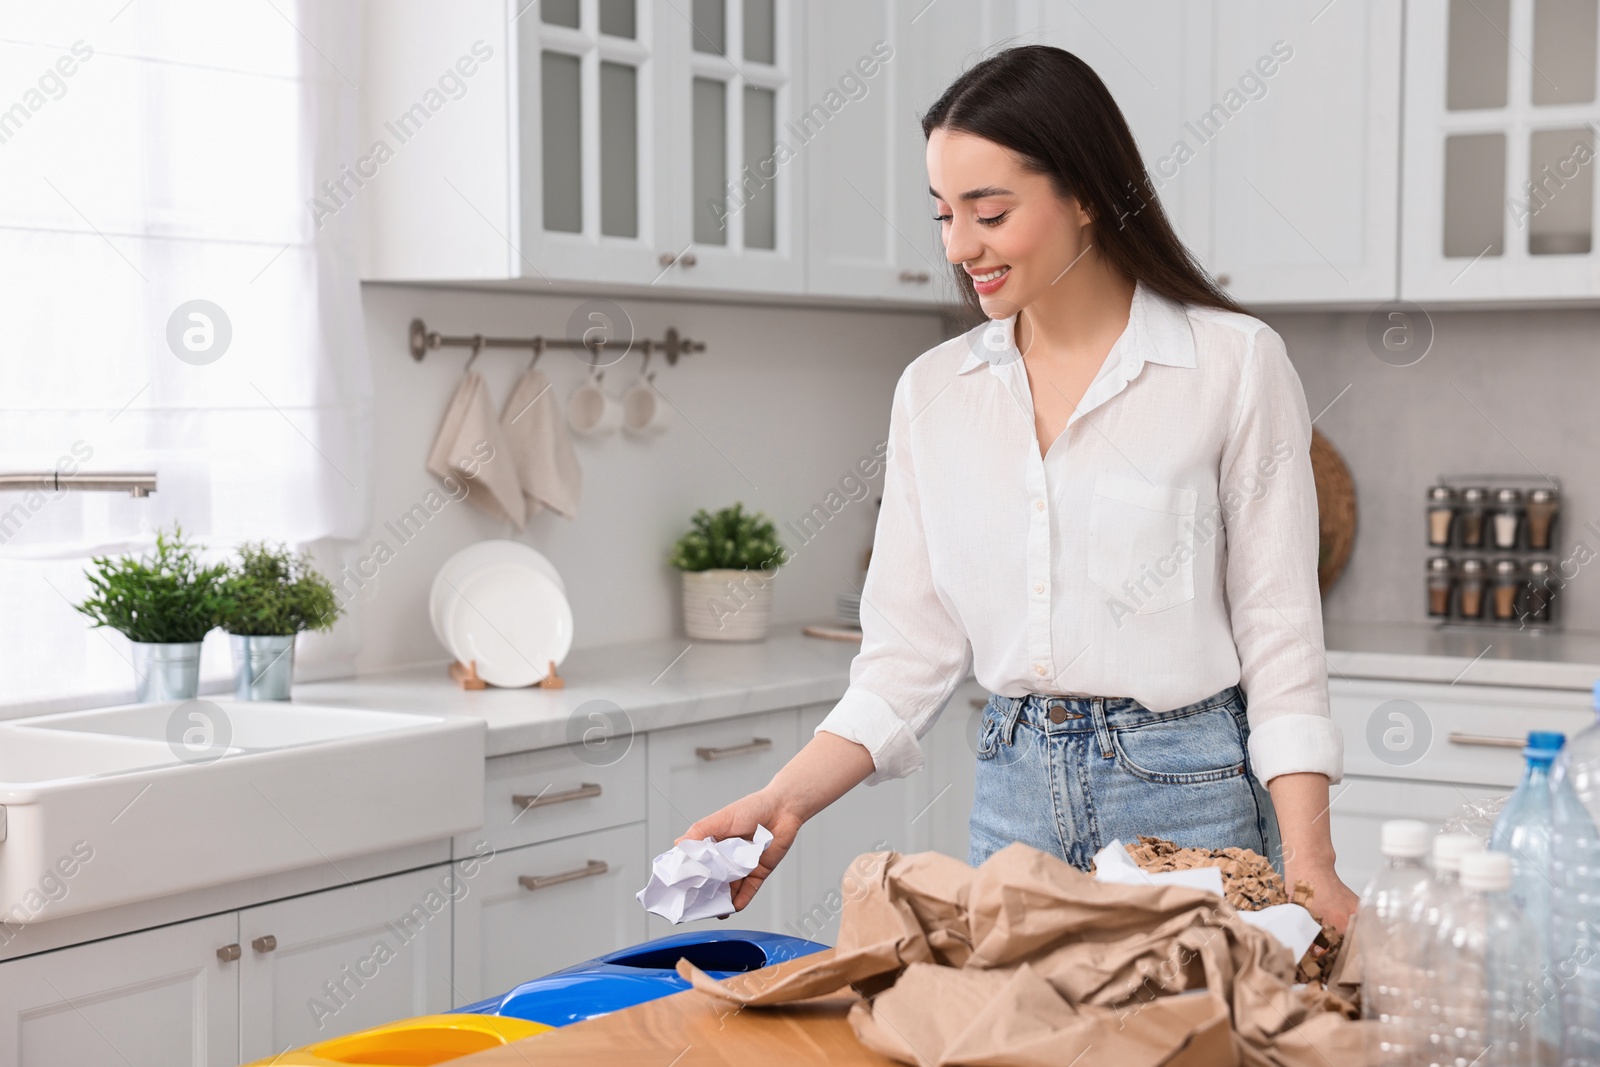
(1055, 481)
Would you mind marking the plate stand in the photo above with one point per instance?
(466, 676)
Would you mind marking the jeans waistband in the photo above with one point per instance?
(1084, 712)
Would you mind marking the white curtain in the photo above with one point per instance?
(156, 163)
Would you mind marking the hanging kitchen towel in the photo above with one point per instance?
(537, 435)
(471, 446)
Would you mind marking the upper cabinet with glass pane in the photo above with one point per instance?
(1499, 199)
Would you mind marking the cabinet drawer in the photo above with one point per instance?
(556, 792)
(526, 912)
(1447, 733)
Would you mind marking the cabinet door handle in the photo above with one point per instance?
(229, 953)
(979, 703)
(1487, 741)
(539, 881)
(759, 744)
(914, 277)
(1224, 280)
(688, 259)
(265, 943)
(523, 801)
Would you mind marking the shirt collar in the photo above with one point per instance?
(1158, 332)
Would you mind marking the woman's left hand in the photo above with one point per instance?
(1331, 900)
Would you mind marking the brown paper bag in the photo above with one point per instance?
(1027, 960)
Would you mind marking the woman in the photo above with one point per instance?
(1101, 499)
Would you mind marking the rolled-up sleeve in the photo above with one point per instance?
(1269, 503)
(913, 652)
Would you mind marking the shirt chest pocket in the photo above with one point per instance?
(1141, 542)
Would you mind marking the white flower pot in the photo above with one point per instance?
(724, 604)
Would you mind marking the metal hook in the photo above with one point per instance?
(477, 347)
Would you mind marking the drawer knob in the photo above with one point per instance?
(1487, 740)
(758, 744)
(979, 703)
(229, 953)
(539, 800)
(265, 943)
(914, 277)
(539, 881)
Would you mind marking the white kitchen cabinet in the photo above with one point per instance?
(1499, 165)
(1302, 125)
(160, 998)
(330, 963)
(696, 770)
(525, 912)
(872, 71)
(611, 141)
(944, 787)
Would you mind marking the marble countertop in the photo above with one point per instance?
(650, 685)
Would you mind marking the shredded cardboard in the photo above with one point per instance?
(1249, 883)
(1028, 961)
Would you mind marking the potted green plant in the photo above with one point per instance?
(269, 597)
(164, 603)
(728, 560)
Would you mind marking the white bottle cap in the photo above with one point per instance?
(1486, 872)
(1449, 848)
(1405, 837)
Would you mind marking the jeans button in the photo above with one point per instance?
(1058, 714)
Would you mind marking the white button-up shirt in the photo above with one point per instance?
(1164, 548)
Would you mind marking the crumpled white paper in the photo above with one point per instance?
(1291, 924)
(691, 881)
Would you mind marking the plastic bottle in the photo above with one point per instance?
(1433, 911)
(1490, 1010)
(1575, 895)
(1523, 833)
(1391, 973)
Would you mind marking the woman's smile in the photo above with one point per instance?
(989, 281)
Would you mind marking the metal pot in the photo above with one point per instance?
(166, 671)
(263, 667)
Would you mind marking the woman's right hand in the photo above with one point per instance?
(739, 819)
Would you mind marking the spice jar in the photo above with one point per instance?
(1474, 516)
(1440, 580)
(1506, 588)
(1473, 575)
(1541, 593)
(1441, 514)
(1543, 505)
(1507, 518)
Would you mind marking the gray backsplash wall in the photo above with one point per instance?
(776, 413)
(1512, 392)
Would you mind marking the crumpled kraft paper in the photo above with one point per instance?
(693, 880)
(1028, 961)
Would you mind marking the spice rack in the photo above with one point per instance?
(1494, 546)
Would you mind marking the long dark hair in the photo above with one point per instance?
(1050, 108)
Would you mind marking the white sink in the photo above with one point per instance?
(199, 727)
(164, 798)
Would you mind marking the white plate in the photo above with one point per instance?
(510, 620)
(469, 559)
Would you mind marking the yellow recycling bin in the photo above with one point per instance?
(419, 1042)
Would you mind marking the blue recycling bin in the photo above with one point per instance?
(644, 972)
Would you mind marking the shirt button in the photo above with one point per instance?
(1038, 587)
(1038, 505)
(1038, 668)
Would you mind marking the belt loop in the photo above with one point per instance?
(1102, 729)
(1008, 726)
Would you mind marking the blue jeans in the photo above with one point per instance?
(1067, 775)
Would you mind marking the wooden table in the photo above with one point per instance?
(694, 1029)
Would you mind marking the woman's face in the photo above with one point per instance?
(1005, 224)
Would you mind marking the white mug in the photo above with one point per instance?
(644, 411)
(590, 411)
